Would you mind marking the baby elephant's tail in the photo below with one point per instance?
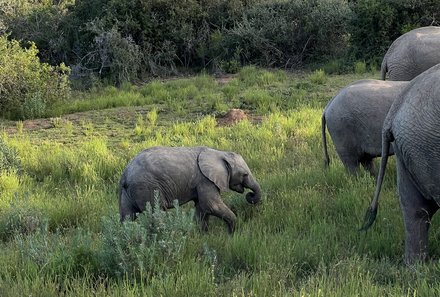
(324, 141)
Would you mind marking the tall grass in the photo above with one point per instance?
(59, 228)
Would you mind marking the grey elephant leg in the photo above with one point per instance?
(368, 165)
(219, 209)
(202, 217)
(417, 213)
(210, 203)
(351, 163)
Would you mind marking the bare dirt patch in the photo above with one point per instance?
(236, 115)
(224, 79)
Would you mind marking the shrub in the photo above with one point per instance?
(40, 22)
(290, 32)
(28, 86)
(156, 240)
(377, 23)
(117, 57)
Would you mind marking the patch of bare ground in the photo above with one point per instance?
(224, 79)
(123, 115)
(235, 115)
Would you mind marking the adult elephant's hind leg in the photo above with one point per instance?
(368, 165)
(351, 162)
(417, 213)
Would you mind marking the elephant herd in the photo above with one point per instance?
(367, 119)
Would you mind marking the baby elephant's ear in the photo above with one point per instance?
(213, 166)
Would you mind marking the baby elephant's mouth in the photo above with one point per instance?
(238, 188)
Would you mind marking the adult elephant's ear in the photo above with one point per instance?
(213, 165)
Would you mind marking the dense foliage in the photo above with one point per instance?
(28, 87)
(377, 23)
(130, 40)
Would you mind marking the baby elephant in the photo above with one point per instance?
(354, 119)
(198, 173)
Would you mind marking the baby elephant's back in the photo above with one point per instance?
(163, 163)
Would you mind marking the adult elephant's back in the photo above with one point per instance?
(412, 53)
(416, 131)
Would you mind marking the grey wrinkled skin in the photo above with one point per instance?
(196, 174)
(411, 54)
(413, 125)
(354, 119)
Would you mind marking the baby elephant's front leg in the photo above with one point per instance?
(219, 209)
(211, 203)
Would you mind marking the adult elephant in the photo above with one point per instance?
(198, 173)
(413, 125)
(412, 53)
(354, 119)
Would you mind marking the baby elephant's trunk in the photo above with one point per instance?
(254, 196)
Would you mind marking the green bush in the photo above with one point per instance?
(28, 86)
(377, 23)
(287, 33)
(154, 241)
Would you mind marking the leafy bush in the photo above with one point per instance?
(156, 239)
(286, 34)
(377, 23)
(27, 86)
(39, 22)
(114, 57)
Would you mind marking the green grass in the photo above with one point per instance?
(59, 230)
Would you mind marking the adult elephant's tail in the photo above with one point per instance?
(370, 216)
(384, 68)
(324, 141)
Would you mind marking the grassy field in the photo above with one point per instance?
(59, 228)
